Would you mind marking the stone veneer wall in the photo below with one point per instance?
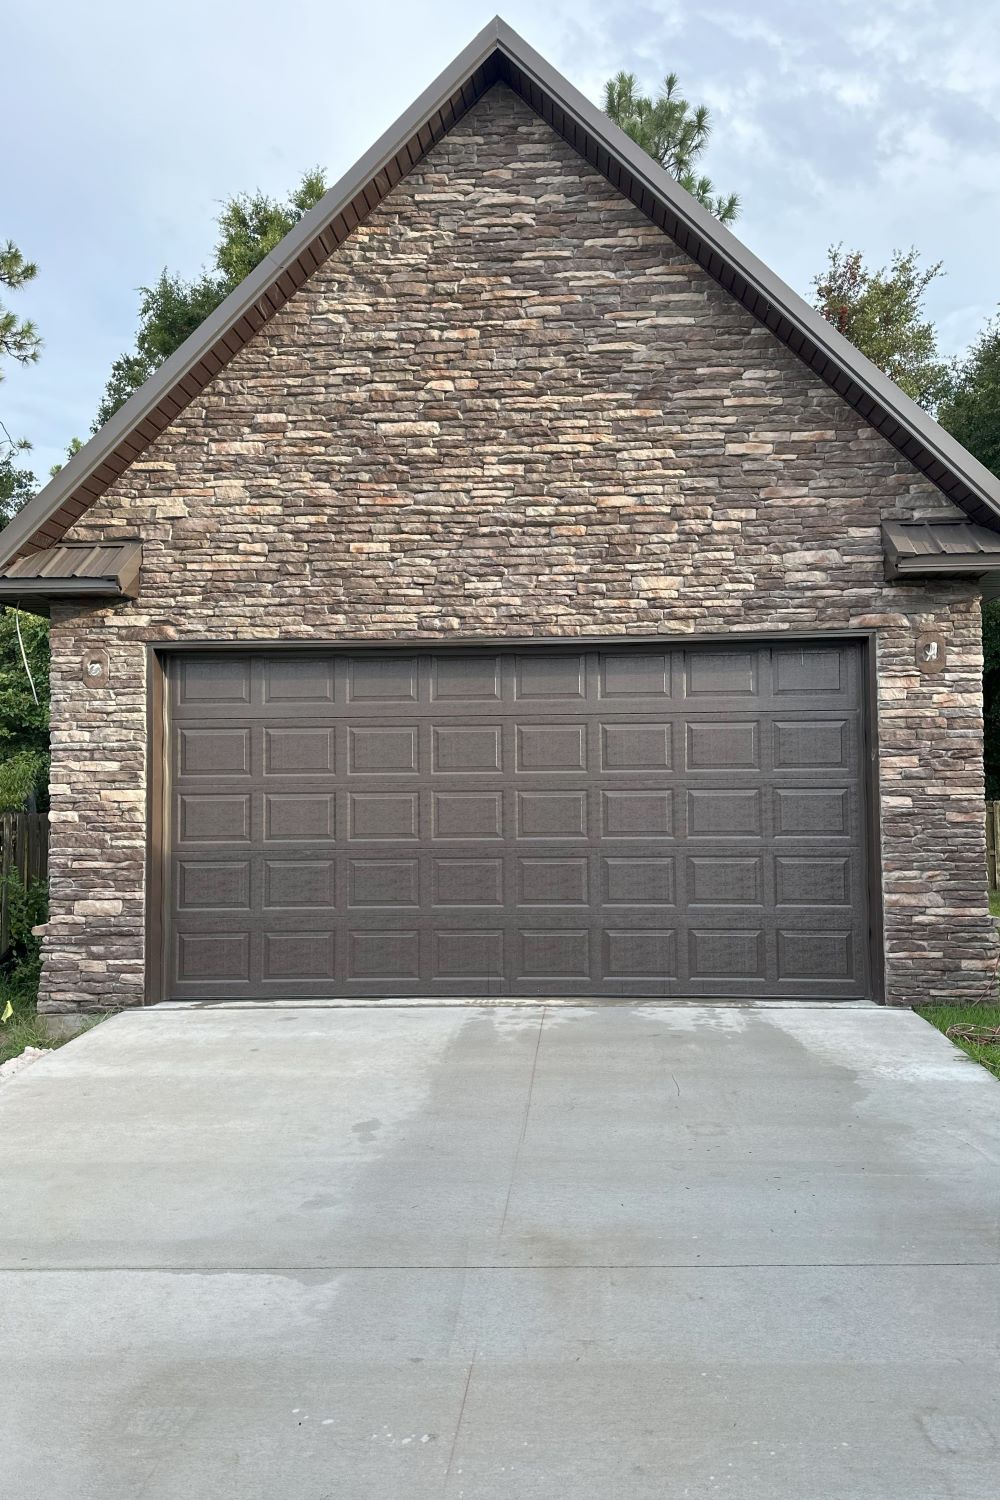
(507, 406)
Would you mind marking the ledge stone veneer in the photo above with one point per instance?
(509, 405)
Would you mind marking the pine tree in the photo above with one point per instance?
(673, 132)
(19, 338)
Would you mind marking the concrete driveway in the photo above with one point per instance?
(501, 1253)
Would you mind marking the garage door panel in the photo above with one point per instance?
(722, 745)
(299, 817)
(476, 678)
(725, 879)
(637, 815)
(630, 674)
(725, 812)
(382, 815)
(635, 745)
(383, 750)
(383, 953)
(820, 675)
(815, 811)
(384, 882)
(727, 953)
(684, 821)
(545, 676)
(212, 884)
(212, 817)
(209, 682)
(555, 880)
(299, 954)
(287, 680)
(635, 953)
(382, 679)
(297, 752)
(468, 953)
(550, 747)
(468, 816)
(633, 880)
(815, 879)
(719, 674)
(815, 954)
(213, 752)
(552, 814)
(463, 749)
(461, 881)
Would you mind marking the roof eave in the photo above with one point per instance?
(36, 595)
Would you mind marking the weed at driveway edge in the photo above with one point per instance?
(943, 1016)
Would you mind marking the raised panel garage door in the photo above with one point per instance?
(629, 821)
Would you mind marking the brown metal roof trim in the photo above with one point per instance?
(956, 548)
(498, 54)
(72, 570)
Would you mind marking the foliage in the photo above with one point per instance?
(971, 409)
(21, 1027)
(24, 724)
(72, 447)
(24, 1028)
(17, 485)
(27, 907)
(882, 313)
(250, 225)
(19, 338)
(21, 777)
(991, 698)
(943, 1016)
(673, 132)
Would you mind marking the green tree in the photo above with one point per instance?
(19, 341)
(24, 709)
(16, 484)
(250, 226)
(19, 338)
(72, 447)
(971, 413)
(882, 313)
(24, 722)
(991, 698)
(970, 410)
(673, 132)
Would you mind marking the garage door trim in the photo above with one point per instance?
(158, 652)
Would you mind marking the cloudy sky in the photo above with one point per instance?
(125, 125)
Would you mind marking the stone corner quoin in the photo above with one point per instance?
(510, 406)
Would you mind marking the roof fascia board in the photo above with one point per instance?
(955, 562)
(244, 297)
(37, 594)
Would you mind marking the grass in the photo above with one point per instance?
(995, 903)
(25, 1028)
(943, 1016)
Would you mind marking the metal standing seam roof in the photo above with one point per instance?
(939, 547)
(72, 570)
(498, 55)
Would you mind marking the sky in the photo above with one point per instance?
(124, 126)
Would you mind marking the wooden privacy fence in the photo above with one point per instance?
(24, 849)
(992, 844)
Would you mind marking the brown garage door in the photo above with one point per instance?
(683, 821)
